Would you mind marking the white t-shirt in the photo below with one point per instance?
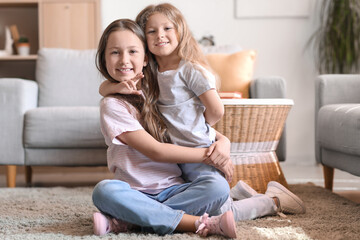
(181, 107)
(129, 165)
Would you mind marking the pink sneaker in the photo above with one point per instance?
(221, 225)
(104, 225)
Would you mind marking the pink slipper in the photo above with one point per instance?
(104, 225)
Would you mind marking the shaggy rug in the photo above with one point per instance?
(65, 213)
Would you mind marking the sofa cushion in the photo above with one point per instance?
(65, 157)
(67, 77)
(63, 127)
(338, 128)
(235, 70)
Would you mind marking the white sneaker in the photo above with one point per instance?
(288, 202)
(241, 191)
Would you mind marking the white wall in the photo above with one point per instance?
(280, 44)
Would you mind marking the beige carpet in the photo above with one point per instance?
(65, 213)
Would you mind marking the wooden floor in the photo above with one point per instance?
(345, 184)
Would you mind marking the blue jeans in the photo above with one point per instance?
(162, 212)
(191, 171)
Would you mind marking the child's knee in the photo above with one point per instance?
(216, 185)
(106, 188)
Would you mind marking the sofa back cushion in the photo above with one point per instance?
(67, 77)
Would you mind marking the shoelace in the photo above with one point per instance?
(282, 215)
(208, 225)
(202, 227)
(279, 210)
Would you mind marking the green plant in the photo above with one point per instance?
(337, 41)
(23, 40)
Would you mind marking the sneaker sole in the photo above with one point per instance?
(289, 193)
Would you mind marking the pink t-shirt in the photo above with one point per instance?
(129, 165)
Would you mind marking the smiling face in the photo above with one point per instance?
(124, 55)
(161, 36)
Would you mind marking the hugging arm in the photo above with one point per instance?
(214, 107)
(162, 152)
(170, 153)
(125, 87)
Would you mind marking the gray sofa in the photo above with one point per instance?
(54, 121)
(337, 117)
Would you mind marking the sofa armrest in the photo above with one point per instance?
(268, 87)
(16, 97)
(271, 87)
(334, 89)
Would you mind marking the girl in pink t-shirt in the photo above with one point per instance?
(147, 191)
(190, 106)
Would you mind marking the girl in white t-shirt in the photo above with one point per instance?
(148, 191)
(187, 96)
(188, 101)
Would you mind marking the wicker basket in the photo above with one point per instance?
(254, 131)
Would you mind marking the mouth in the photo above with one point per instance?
(125, 70)
(160, 44)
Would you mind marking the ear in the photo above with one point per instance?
(145, 61)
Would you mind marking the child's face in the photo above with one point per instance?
(124, 55)
(161, 35)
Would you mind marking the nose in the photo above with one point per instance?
(124, 58)
(160, 34)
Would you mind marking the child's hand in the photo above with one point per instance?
(228, 170)
(225, 167)
(129, 86)
(219, 156)
(219, 152)
(125, 87)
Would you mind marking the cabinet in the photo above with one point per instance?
(71, 24)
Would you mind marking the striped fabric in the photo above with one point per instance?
(129, 165)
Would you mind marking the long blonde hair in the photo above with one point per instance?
(151, 118)
(188, 48)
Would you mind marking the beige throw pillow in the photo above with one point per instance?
(234, 70)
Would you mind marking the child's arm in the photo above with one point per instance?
(214, 107)
(161, 152)
(124, 87)
(219, 154)
(164, 152)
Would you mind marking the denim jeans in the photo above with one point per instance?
(162, 212)
(191, 171)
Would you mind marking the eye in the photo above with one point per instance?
(168, 28)
(150, 31)
(114, 52)
(133, 51)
